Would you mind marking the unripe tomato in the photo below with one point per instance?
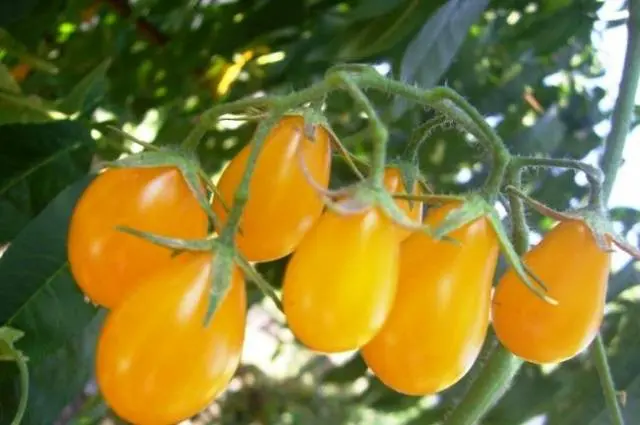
(157, 363)
(440, 317)
(340, 282)
(282, 205)
(105, 262)
(413, 209)
(575, 271)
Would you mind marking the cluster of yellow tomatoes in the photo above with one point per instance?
(418, 309)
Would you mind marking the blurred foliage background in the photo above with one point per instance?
(150, 67)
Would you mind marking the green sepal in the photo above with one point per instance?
(409, 174)
(8, 352)
(514, 260)
(221, 269)
(265, 287)
(474, 207)
(176, 244)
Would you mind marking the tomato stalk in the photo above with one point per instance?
(501, 366)
(379, 132)
(611, 160)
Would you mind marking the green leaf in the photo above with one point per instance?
(373, 8)
(39, 295)
(17, 108)
(55, 381)
(37, 161)
(432, 50)
(371, 37)
(13, 46)
(7, 83)
(88, 92)
(11, 11)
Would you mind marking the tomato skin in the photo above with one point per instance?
(440, 317)
(105, 262)
(156, 362)
(282, 205)
(340, 282)
(575, 271)
(394, 184)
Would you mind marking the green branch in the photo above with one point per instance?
(623, 110)
(611, 160)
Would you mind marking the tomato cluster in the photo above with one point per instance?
(417, 308)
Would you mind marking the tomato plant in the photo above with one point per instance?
(157, 363)
(282, 205)
(106, 263)
(413, 209)
(340, 283)
(575, 271)
(441, 312)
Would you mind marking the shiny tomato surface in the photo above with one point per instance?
(157, 363)
(440, 317)
(575, 271)
(282, 205)
(107, 263)
(340, 283)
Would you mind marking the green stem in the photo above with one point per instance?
(623, 110)
(599, 357)
(490, 385)
(380, 134)
(24, 384)
(501, 366)
(611, 160)
(421, 134)
(594, 175)
(242, 192)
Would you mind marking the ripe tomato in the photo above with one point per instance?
(575, 271)
(157, 363)
(105, 262)
(393, 183)
(282, 206)
(440, 317)
(340, 283)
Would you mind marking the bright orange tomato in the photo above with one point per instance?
(157, 363)
(440, 317)
(340, 283)
(105, 262)
(393, 183)
(575, 271)
(282, 206)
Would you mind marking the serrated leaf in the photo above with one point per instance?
(37, 161)
(7, 83)
(432, 50)
(86, 94)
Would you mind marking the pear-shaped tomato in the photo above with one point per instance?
(105, 262)
(282, 205)
(413, 209)
(340, 283)
(440, 317)
(575, 271)
(157, 363)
